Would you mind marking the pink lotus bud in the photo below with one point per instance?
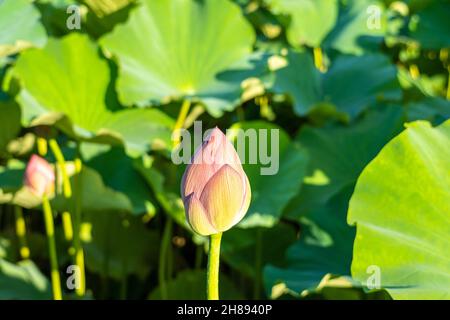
(215, 189)
(39, 176)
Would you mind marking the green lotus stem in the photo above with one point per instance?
(50, 230)
(79, 253)
(258, 265)
(66, 218)
(21, 231)
(180, 121)
(318, 59)
(212, 283)
(67, 192)
(165, 244)
(67, 189)
(414, 71)
(41, 146)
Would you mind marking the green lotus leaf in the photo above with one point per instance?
(118, 173)
(103, 16)
(324, 247)
(274, 181)
(112, 248)
(248, 249)
(163, 52)
(401, 210)
(361, 25)
(96, 194)
(430, 26)
(311, 20)
(423, 85)
(338, 153)
(434, 110)
(58, 16)
(9, 123)
(350, 85)
(20, 26)
(22, 281)
(67, 84)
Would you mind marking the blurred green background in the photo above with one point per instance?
(339, 78)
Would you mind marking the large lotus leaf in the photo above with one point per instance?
(191, 285)
(96, 194)
(311, 20)
(118, 172)
(430, 26)
(301, 81)
(80, 102)
(325, 246)
(423, 85)
(176, 49)
(361, 24)
(338, 154)
(119, 245)
(271, 191)
(401, 210)
(22, 281)
(351, 84)
(334, 287)
(434, 110)
(19, 26)
(9, 122)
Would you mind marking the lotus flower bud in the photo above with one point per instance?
(215, 189)
(39, 176)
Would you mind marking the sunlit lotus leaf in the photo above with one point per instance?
(401, 210)
(310, 20)
(361, 26)
(20, 26)
(22, 281)
(163, 52)
(80, 102)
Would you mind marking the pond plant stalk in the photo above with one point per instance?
(69, 222)
(50, 230)
(79, 253)
(67, 188)
(216, 195)
(212, 289)
(168, 228)
(39, 179)
(21, 232)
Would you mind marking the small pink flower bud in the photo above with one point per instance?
(215, 189)
(39, 176)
